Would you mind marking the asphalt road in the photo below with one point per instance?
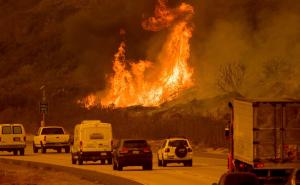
(205, 170)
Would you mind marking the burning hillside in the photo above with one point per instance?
(141, 82)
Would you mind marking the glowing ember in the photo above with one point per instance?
(129, 86)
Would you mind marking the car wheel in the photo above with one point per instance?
(44, 150)
(80, 161)
(59, 150)
(120, 167)
(67, 149)
(147, 166)
(35, 149)
(159, 163)
(22, 151)
(73, 160)
(15, 152)
(164, 163)
(102, 161)
(109, 161)
(115, 166)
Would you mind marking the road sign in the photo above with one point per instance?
(43, 107)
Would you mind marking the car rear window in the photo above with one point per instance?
(135, 143)
(52, 131)
(176, 143)
(17, 130)
(96, 136)
(6, 130)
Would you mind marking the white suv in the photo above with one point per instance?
(12, 138)
(175, 150)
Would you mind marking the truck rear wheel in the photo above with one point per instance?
(22, 151)
(67, 149)
(35, 149)
(15, 152)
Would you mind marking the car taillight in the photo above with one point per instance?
(45, 138)
(147, 149)
(167, 150)
(24, 138)
(259, 165)
(190, 150)
(123, 150)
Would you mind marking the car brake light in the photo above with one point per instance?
(123, 150)
(242, 165)
(259, 165)
(190, 150)
(167, 150)
(147, 149)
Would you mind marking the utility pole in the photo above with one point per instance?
(43, 105)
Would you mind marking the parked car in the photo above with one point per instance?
(132, 152)
(92, 142)
(175, 150)
(12, 138)
(51, 137)
(238, 178)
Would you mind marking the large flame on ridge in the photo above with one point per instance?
(129, 86)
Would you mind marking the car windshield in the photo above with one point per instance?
(17, 130)
(52, 131)
(176, 143)
(135, 143)
(6, 130)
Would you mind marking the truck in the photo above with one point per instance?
(92, 142)
(264, 138)
(51, 137)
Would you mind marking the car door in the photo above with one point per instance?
(7, 136)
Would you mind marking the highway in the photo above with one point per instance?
(205, 170)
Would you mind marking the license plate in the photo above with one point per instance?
(17, 139)
(103, 154)
(135, 152)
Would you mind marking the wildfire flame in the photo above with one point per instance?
(129, 86)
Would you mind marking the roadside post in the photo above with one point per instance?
(43, 106)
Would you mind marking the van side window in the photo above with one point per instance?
(17, 130)
(6, 130)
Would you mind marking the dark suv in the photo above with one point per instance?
(132, 152)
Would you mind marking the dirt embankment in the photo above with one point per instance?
(12, 174)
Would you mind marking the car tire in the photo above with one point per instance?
(159, 163)
(147, 166)
(59, 150)
(80, 161)
(44, 150)
(181, 151)
(22, 151)
(115, 167)
(35, 149)
(188, 163)
(15, 152)
(74, 161)
(102, 161)
(119, 167)
(109, 161)
(67, 149)
(164, 163)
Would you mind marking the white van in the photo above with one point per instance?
(12, 138)
(92, 142)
